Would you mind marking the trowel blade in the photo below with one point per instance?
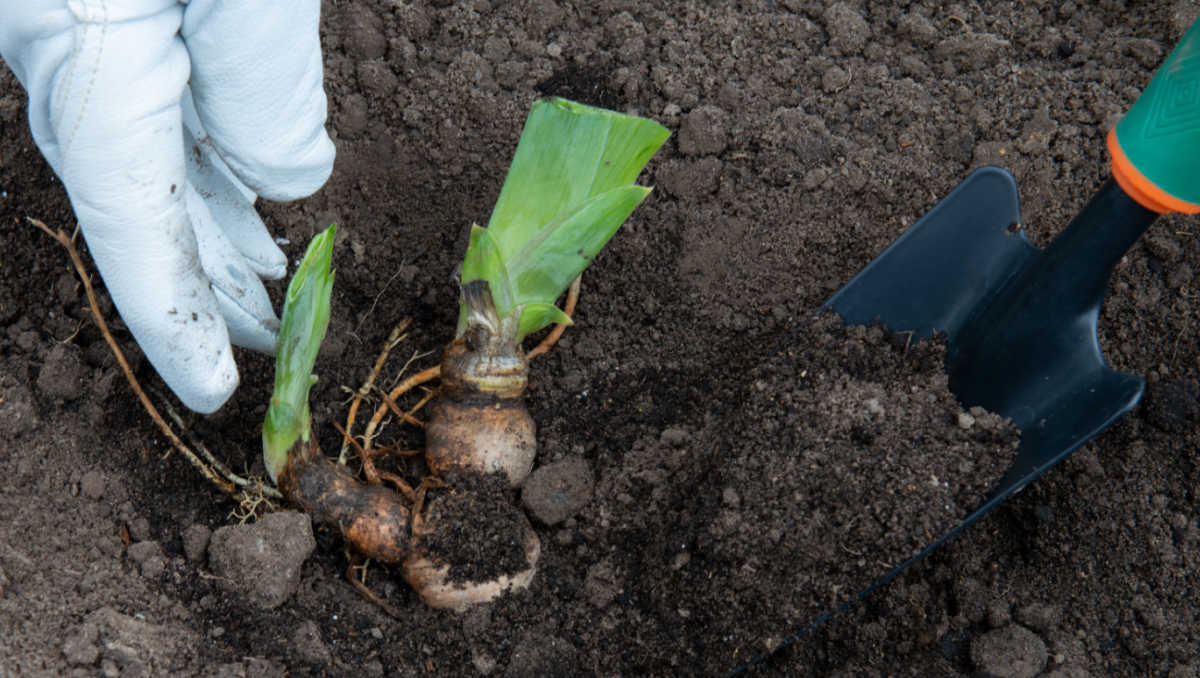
(931, 278)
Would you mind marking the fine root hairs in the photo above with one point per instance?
(213, 470)
(398, 335)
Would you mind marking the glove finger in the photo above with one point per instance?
(257, 84)
(230, 203)
(240, 294)
(153, 275)
(104, 93)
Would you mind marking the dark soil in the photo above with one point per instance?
(807, 136)
(838, 458)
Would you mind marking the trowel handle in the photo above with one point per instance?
(1156, 146)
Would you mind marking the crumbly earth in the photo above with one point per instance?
(858, 460)
(807, 136)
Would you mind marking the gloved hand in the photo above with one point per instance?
(162, 178)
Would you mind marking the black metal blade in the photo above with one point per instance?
(1020, 322)
(944, 266)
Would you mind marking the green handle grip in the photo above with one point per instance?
(1160, 135)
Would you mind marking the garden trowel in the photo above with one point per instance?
(1020, 322)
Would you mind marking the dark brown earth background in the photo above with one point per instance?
(733, 497)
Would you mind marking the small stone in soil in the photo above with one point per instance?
(17, 414)
(92, 485)
(539, 656)
(1011, 652)
(675, 437)
(999, 614)
(847, 28)
(703, 132)
(263, 559)
(555, 492)
(306, 639)
(139, 529)
(79, 649)
(139, 647)
(602, 585)
(62, 372)
(148, 556)
(195, 542)
(1040, 616)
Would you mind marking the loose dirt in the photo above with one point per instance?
(806, 137)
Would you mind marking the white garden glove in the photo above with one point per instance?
(164, 190)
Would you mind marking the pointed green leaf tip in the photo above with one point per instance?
(568, 190)
(305, 319)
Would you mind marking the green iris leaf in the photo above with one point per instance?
(568, 190)
(302, 328)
